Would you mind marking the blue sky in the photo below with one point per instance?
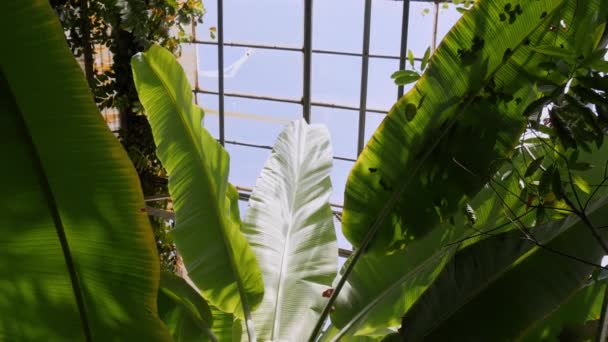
(337, 25)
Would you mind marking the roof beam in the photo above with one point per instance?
(306, 102)
(364, 74)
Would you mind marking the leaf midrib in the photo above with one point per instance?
(285, 255)
(48, 194)
(208, 180)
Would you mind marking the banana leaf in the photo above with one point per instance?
(508, 282)
(289, 225)
(77, 255)
(574, 320)
(184, 311)
(382, 288)
(208, 234)
(443, 140)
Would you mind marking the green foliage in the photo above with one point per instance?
(382, 288)
(208, 234)
(545, 193)
(535, 279)
(184, 311)
(574, 320)
(403, 77)
(289, 225)
(126, 27)
(481, 222)
(484, 203)
(429, 166)
(78, 257)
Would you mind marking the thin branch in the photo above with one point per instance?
(580, 214)
(578, 200)
(569, 256)
(487, 232)
(85, 27)
(507, 190)
(588, 224)
(528, 234)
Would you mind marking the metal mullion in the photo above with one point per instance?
(435, 24)
(196, 85)
(288, 100)
(353, 54)
(266, 147)
(220, 66)
(404, 32)
(251, 45)
(338, 106)
(292, 49)
(306, 105)
(364, 74)
(250, 96)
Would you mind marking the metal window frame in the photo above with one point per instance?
(367, 21)
(308, 52)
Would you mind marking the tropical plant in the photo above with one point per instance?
(78, 256)
(456, 199)
(465, 200)
(289, 225)
(121, 28)
(403, 77)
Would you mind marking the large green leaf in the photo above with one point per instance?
(225, 327)
(574, 320)
(507, 282)
(217, 256)
(383, 287)
(442, 141)
(77, 254)
(289, 224)
(184, 311)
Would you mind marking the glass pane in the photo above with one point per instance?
(273, 22)
(203, 32)
(243, 205)
(385, 33)
(420, 27)
(188, 62)
(207, 67)
(447, 18)
(257, 122)
(381, 89)
(338, 25)
(343, 126)
(209, 103)
(339, 173)
(372, 121)
(342, 242)
(336, 79)
(246, 163)
(262, 72)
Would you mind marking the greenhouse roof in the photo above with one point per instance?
(327, 61)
